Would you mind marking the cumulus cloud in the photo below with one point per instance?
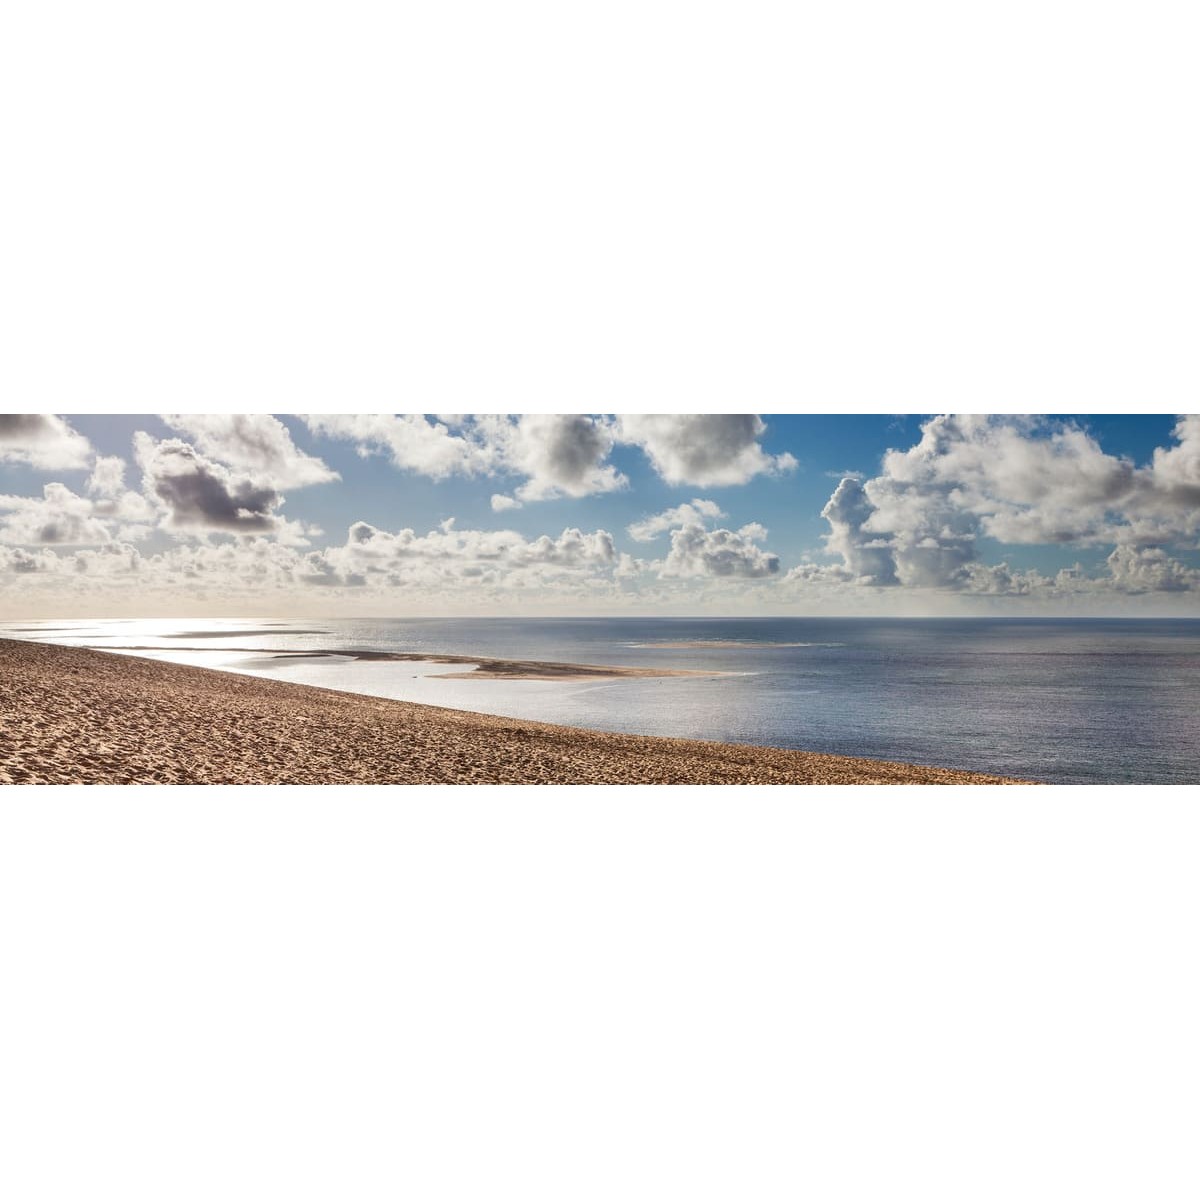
(200, 495)
(257, 444)
(445, 566)
(696, 551)
(410, 441)
(59, 517)
(108, 477)
(113, 560)
(1019, 481)
(563, 455)
(1176, 469)
(1130, 571)
(808, 574)
(447, 555)
(45, 442)
(866, 556)
(18, 562)
(556, 455)
(709, 450)
(448, 564)
(247, 565)
(695, 513)
(560, 455)
(929, 519)
(1031, 481)
(1138, 569)
(699, 552)
(316, 570)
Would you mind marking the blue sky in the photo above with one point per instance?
(913, 514)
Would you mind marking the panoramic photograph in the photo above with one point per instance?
(554, 599)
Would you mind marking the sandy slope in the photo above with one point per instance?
(82, 716)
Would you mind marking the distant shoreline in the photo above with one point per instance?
(74, 715)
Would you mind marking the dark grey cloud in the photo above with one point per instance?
(22, 426)
(43, 441)
(201, 494)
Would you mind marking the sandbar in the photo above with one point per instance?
(484, 668)
(716, 644)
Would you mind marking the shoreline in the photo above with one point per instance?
(77, 715)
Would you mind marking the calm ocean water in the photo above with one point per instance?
(1065, 701)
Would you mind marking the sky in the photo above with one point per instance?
(561, 515)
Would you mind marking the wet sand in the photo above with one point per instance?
(72, 715)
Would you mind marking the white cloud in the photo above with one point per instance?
(1020, 481)
(411, 442)
(695, 513)
(242, 568)
(555, 455)
(921, 526)
(709, 450)
(16, 563)
(447, 555)
(806, 575)
(444, 568)
(45, 442)
(108, 477)
(1131, 571)
(724, 553)
(257, 444)
(560, 455)
(59, 517)
(629, 567)
(246, 566)
(563, 455)
(698, 552)
(1137, 569)
(113, 560)
(866, 556)
(1176, 469)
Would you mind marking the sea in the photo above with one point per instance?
(1061, 701)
